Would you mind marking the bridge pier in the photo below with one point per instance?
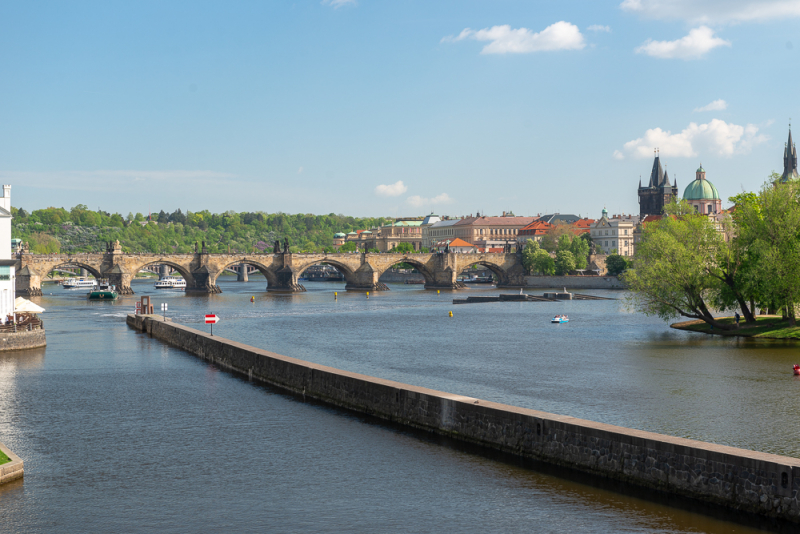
(121, 280)
(28, 282)
(202, 282)
(242, 274)
(285, 281)
(163, 271)
(365, 278)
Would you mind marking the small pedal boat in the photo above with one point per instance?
(560, 319)
(796, 369)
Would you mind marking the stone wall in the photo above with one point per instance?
(574, 282)
(739, 479)
(391, 277)
(22, 339)
(11, 470)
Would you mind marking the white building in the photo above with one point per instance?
(614, 234)
(7, 285)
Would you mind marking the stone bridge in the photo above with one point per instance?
(200, 270)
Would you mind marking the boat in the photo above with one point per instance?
(79, 283)
(104, 291)
(171, 282)
(796, 369)
(560, 319)
(478, 280)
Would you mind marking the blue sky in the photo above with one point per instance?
(389, 107)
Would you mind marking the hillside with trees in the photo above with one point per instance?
(83, 230)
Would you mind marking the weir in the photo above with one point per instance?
(739, 479)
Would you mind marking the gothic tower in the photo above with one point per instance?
(789, 160)
(658, 193)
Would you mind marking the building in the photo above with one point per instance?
(702, 194)
(387, 237)
(614, 234)
(7, 274)
(339, 239)
(491, 232)
(438, 231)
(658, 193)
(456, 245)
(559, 218)
(789, 160)
(535, 231)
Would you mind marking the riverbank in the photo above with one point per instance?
(11, 465)
(766, 327)
(739, 479)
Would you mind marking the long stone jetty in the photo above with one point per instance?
(739, 479)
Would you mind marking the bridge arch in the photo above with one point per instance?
(268, 273)
(418, 265)
(346, 270)
(498, 270)
(71, 263)
(183, 270)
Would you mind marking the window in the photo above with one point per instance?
(709, 208)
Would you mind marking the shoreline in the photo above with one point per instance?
(772, 327)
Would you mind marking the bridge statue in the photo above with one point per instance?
(276, 249)
(286, 245)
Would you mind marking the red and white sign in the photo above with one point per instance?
(138, 308)
(212, 319)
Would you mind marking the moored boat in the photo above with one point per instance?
(560, 319)
(104, 291)
(171, 282)
(78, 283)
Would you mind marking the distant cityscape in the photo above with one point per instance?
(611, 234)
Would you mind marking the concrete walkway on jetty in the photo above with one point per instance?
(11, 470)
(738, 479)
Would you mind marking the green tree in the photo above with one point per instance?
(670, 278)
(403, 248)
(580, 251)
(616, 264)
(350, 246)
(529, 255)
(565, 262)
(543, 263)
(41, 243)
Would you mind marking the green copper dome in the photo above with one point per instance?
(701, 190)
(701, 169)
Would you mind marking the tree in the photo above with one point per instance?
(542, 263)
(580, 250)
(565, 262)
(529, 255)
(350, 246)
(550, 239)
(42, 243)
(403, 248)
(670, 278)
(616, 264)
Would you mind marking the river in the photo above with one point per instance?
(120, 432)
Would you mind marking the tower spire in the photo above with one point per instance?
(789, 159)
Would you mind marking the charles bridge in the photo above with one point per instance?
(282, 270)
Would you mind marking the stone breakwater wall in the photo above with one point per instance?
(759, 483)
(22, 339)
(10, 470)
(574, 282)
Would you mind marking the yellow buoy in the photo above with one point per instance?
(437, 291)
(252, 299)
(451, 314)
(367, 294)
(335, 295)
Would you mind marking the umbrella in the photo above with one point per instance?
(22, 305)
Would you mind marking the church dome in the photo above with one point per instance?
(701, 190)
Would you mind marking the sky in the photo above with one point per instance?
(390, 108)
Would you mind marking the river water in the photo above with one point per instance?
(120, 432)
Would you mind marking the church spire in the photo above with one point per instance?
(657, 174)
(789, 159)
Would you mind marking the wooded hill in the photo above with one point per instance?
(83, 230)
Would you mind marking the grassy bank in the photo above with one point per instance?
(765, 327)
(3, 458)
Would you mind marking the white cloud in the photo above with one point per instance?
(618, 155)
(391, 190)
(418, 201)
(599, 28)
(505, 40)
(336, 4)
(693, 46)
(300, 170)
(716, 105)
(715, 137)
(714, 11)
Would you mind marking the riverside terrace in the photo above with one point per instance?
(201, 269)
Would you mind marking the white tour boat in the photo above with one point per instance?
(171, 282)
(79, 283)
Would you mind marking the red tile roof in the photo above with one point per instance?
(458, 242)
